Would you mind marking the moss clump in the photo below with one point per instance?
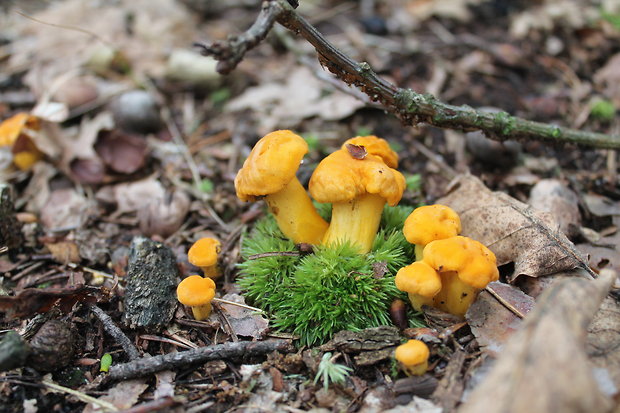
(332, 289)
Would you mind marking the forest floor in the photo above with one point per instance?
(131, 136)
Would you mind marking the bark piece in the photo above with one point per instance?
(544, 367)
(151, 281)
(13, 351)
(10, 229)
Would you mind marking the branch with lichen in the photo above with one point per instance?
(411, 107)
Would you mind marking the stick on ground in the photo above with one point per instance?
(116, 333)
(171, 361)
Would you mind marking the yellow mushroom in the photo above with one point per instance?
(465, 267)
(375, 146)
(420, 281)
(17, 133)
(413, 357)
(269, 172)
(358, 185)
(204, 254)
(429, 223)
(197, 292)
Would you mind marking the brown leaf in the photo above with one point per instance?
(243, 321)
(31, 301)
(164, 216)
(87, 171)
(490, 321)
(511, 229)
(64, 252)
(543, 367)
(356, 151)
(603, 341)
(124, 395)
(65, 208)
(121, 152)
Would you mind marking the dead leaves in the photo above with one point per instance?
(31, 301)
(512, 230)
(544, 367)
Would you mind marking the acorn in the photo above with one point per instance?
(52, 346)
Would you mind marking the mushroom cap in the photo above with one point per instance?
(340, 177)
(474, 263)
(375, 146)
(431, 222)
(412, 352)
(272, 164)
(195, 291)
(418, 278)
(204, 252)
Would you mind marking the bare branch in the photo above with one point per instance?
(411, 107)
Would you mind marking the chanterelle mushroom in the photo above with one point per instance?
(358, 185)
(465, 267)
(429, 223)
(204, 253)
(197, 292)
(375, 146)
(269, 172)
(420, 281)
(413, 357)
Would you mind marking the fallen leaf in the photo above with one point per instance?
(121, 152)
(603, 341)
(302, 96)
(65, 208)
(601, 206)
(243, 321)
(31, 301)
(552, 196)
(512, 230)
(165, 384)
(137, 195)
(164, 216)
(491, 322)
(543, 367)
(124, 395)
(64, 252)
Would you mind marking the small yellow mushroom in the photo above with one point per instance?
(204, 254)
(413, 357)
(197, 292)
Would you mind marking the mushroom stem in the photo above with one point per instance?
(418, 249)
(211, 271)
(201, 312)
(418, 300)
(455, 296)
(296, 215)
(356, 221)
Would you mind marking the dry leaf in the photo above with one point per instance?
(121, 152)
(243, 321)
(64, 252)
(164, 216)
(552, 196)
(31, 301)
(511, 229)
(301, 97)
(65, 208)
(356, 151)
(124, 395)
(491, 322)
(544, 367)
(603, 341)
(165, 384)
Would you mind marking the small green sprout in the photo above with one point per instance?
(331, 372)
(106, 362)
(413, 182)
(206, 186)
(602, 109)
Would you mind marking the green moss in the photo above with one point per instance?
(603, 110)
(332, 289)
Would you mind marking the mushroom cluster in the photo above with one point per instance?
(358, 180)
(451, 270)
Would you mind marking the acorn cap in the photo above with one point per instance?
(204, 252)
(341, 177)
(375, 146)
(474, 263)
(418, 278)
(272, 164)
(431, 222)
(412, 353)
(195, 291)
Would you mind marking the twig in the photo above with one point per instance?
(107, 406)
(247, 307)
(149, 365)
(275, 254)
(503, 302)
(118, 335)
(411, 107)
